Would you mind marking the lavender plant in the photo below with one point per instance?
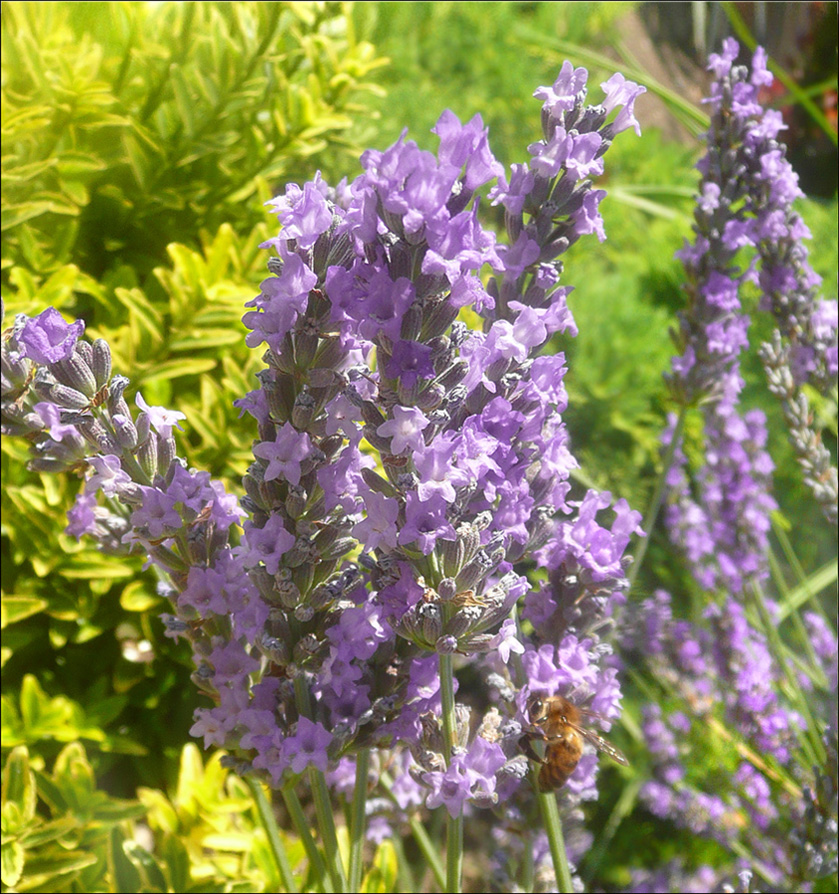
(761, 709)
(745, 203)
(726, 693)
(407, 470)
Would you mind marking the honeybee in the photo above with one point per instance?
(558, 723)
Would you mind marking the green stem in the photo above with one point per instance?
(811, 742)
(454, 829)
(269, 824)
(656, 501)
(326, 825)
(527, 868)
(447, 699)
(454, 854)
(323, 806)
(556, 842)
(358, 819)
(624, 806)
(404, 877)
(301, 824)
(429, 851)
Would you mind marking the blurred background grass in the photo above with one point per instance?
(139, 140)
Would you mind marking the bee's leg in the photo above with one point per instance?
(527, 748)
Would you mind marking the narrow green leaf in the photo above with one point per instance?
(125, 874)
(16, 608)
(174, 369)
(184, 98)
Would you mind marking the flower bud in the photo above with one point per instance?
(116, 388)
(460, 623)
(166, 452)
(303, 613)
(371, 414)
(305, 344)
(306, 648)
(101, 362)
(445, 645)
(438, 319)
(147, 456)
(453, 553)
(474, 572)
(97, 435)
(375, 440)
(303, 411)
(430, 621)
(331, 354)
(125, 431)
(76, 374)
(375, 482)
(67, 397)
(295, 502)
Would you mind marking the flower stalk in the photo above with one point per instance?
(553, 827)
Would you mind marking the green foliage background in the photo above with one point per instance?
(139, 141)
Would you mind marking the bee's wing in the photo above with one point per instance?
(601, 744)
(595, 715)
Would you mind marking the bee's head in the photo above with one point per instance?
(537, 708)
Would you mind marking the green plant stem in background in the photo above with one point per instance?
(326, 825)
(275, 842)
(323, 805)
(756, 865)
(301, 824)
(421, 836)
(655, 502)
(811, 741)
(553, 827)
(623, 808)
(358, 819)
(809, 585)
(454, 829)
(812, 667)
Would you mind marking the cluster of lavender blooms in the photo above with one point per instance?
(726, 664)
(675, 876)
(405, 467)
(745, 203)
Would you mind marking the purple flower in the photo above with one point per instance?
(467, 144)
(285, 453)
(307, 747)
(47, 339)
(565, 92)
(82, 517)
(108, 476)
(304, 214)
(378, 528)
(158, 516)
(162, 420)
(425, 523)
(505, 641)
(410, 361)
(404, 429)
(450, 788)
(267, 544)
(623, 93)
(576, 153)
